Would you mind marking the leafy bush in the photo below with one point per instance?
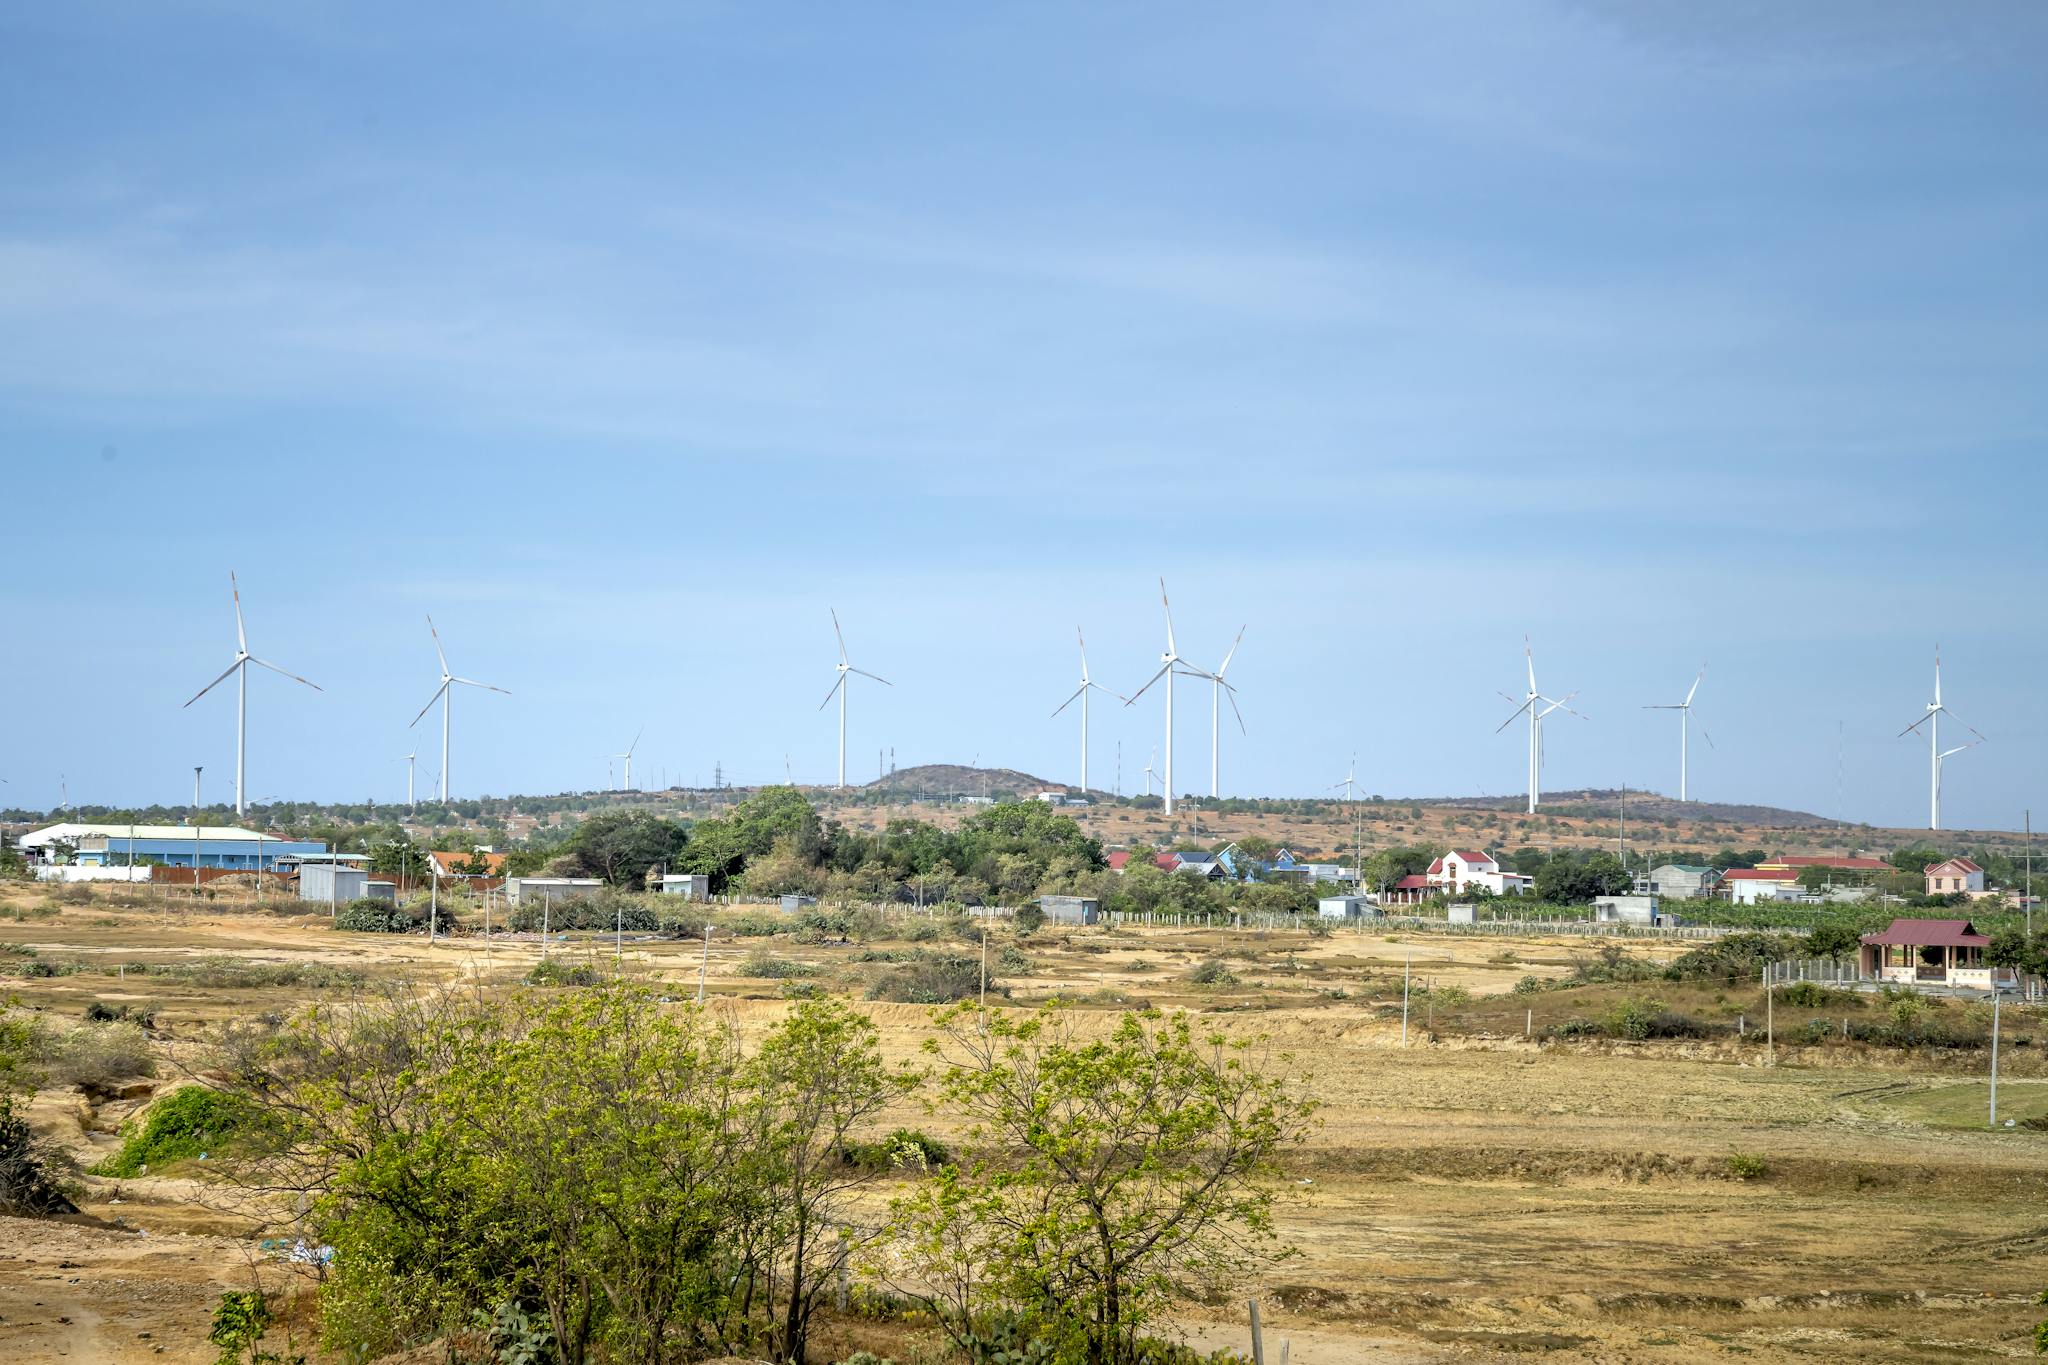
(763, 963)
(1451, 997)
(552, 971)
(1612, 963)
(1738, 957)
(1012, 961)
(1028, 920)
(906, 1148)
(801, 990)
(178, 1127)
(27, 1189)
(1747, 1166)
(1213, 972)
(1816, 1032)
(606, 911)
(1631, 1018)
(1529, 985)
(1812, 995)
(937, 981)
(369, 915)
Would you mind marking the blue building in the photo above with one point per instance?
(243, 850)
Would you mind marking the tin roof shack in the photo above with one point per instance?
(691, 886)
(793, 904)
(334, 878)
(1941, 952)
(1346, 907)
(547, 891)
(1070, 909)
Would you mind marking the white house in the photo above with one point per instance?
(1460, 869)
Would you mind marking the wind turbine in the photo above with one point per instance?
(1217, 688)
(1535, 721)
(410, 758)
(1936, 755)
(1081, 692)
(445, 694)
(240, 667)
(1148, 769)
(1348, 784)
(841, 688)
(1684, 710)
(1170, 663)
(628, 755)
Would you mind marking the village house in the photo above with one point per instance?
(1456, 872)
(1956, 874)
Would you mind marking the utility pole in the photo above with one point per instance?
(2030, 874)
(1994, 1056)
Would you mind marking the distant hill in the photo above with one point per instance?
(1596, 802)
(957, 779)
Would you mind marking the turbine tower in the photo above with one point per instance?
(628, 756)
(1529, 701)
(1150, 766)
(411, 761)
(1936, 755)
(1170, 663)
(445, 694)
(1217, 687)
(1684, 710)
(1081, 692)
(841, 688)
(240, 667)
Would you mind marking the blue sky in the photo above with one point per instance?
(628, 342)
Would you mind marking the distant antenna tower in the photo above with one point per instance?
(717, 776)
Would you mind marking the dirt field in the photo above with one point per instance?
(1472, 1195)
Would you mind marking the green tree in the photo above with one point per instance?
(1108, 1174)
(620, 846)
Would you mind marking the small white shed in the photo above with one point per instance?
(1346, 907)
(691, 886)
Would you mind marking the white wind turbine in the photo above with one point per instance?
(628, 756)
(411, 761)
(841, 688)
(1150, 765)
(1536, 716)
(1349, 784)
(1936, 755)
(240, 667)
(1217, 688)
(1081, 693)
(445, 694)
(1170, 663)
(1684, 710)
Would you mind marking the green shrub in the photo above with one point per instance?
(1028, 920)
(1631, 1018)
(1747, 1166)
(1012, 961)
(1816, 1032)
(1213, 972)
(906, 1148)
(369, 915)
(938, 981)
(1529, 985)
(178, 1127)
(1812, 995)
(608, 911)
(763, 963)
(552, 971)
(801, 990)
(1451, 997)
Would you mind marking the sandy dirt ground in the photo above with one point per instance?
(1469, 1198)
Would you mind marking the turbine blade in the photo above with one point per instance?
(472, 682)
(1084, 655)
(1231, 693)
(865, 674)
(1108, 693)
(1148, 685)
(1233, 651)
(636, 742)
(1695, 685)
(837, 683)
(430, 704)
(840, 633)
(438, 651)
(1069, 701)
(1911, 728)
(1512, 714)
(1169, 618)
(241, 636)
(1709, 739)
(1529, 657)
(215, 683)
(293, 676)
